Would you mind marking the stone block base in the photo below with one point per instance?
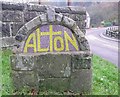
(57, 72)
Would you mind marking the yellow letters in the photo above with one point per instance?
(28, 45)
(39, 43)
(61, 43)
(53, 41)
(51, 34)
(73, 42)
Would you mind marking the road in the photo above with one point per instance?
(105, 48)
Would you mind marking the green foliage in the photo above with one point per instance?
(105, 77)
(106, 24)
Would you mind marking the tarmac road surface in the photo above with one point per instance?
(105, 48)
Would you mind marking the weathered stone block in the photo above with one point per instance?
(36, 8)
(62, 10)
(84, 45)
(10, 6)
(8, 41)
(15, 27)
(67, 21)
(78, 31)
(55, 84)
(33, 23)
(66, 14)
(58, 17)
(80, 24)
(51, 14)
(77, 10)
(24, 79)
(22, 32)
(43, 19)
(21, 36)
(80, 62)
(81, 81)
(12, 16)
(5, 30)
(25, 63)
(37, 21)
(83, 30)
(77, 17)
(29, 15)
(51, 65)
(73, 16)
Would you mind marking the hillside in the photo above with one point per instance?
(99, 11)
(107, 12)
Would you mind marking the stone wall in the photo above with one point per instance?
(14, 16)
(112, 32)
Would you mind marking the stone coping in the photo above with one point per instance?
(41, 8)
(87, 53)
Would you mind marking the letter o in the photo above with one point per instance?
(58, 38)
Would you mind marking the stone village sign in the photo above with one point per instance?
(54, 54)
(46, 39)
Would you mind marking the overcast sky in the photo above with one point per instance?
(60, 0)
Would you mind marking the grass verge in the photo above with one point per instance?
(105, 76)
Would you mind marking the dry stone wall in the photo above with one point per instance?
(14, 16)
(112, 32)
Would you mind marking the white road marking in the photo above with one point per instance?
(113, 47)
(104, 43)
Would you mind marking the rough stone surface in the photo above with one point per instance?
(6, 42)
(55, 71)
(23, 30)
(29, 15)
(54, 65)
(69, 22)
(51, 14)
(80, 81)
(15, 27)
(25, 63)
(11, 16)
(78, 62)
(57, 84)
(43, 18)
(59, 17)
(23, 79)
(33, 23)
(11, 6)
(36, 8)
(5, 30)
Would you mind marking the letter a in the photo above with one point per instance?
(28, 45)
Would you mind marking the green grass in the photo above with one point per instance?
(105, 76)
(6, 79)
